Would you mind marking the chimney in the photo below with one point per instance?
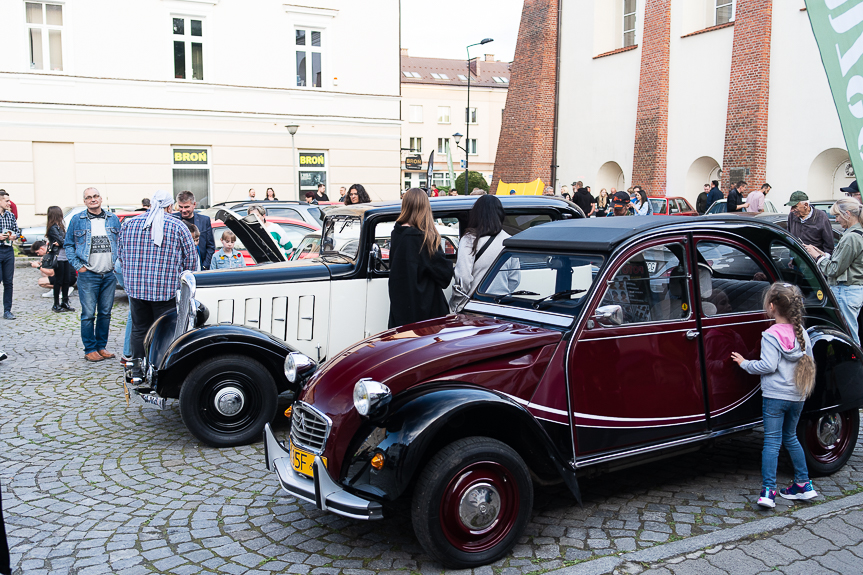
(404, 51)
(489, 57)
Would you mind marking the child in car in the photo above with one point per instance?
(227, 257)
(787, 371)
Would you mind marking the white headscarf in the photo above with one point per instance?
(156, 215)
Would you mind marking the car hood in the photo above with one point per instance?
(434, 350)
(257, 240)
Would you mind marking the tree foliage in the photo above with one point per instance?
(475, 180)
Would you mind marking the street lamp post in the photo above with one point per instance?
(467, 118)
(292, 129)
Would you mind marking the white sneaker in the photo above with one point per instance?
(48, 294)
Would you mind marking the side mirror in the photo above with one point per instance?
(609, 315)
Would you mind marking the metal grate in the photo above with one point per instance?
(309, 428)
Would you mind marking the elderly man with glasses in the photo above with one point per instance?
(810, 226)
(91, 248)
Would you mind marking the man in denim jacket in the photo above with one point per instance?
(91, 248)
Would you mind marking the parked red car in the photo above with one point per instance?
(590, 345)
(671, 206)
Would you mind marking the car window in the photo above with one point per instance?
(554, 283)
(672, 207)
(290, 213)
(309, 247)
(730, 280)
(658, 206)
(770, 208)
(652, 285)
(719, 207)
(683, 206)
(341, 235)
(515, 223)
(796, 269)
(448, 228)
(315, 212)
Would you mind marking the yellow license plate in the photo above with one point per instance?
(303, 461)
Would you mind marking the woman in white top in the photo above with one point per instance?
(478, 249)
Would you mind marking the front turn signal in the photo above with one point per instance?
(378, 461)
(288, 411)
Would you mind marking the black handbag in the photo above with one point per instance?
(49, 260)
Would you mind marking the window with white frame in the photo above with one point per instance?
(417, 145)
(442, 145)
(470, 115)
(45, 35)
(188, 38)
(471, 146)
(416, 114)
(629, 23)
(443, 114)
(441, 179)
(724, 11)
(309, 58)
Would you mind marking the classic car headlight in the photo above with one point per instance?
(370, 396)
(298, 366)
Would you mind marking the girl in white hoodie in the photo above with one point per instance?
(787, 372)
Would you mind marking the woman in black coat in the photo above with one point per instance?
(419, 271)
(63, 272)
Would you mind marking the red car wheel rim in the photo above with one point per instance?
(828, 437)
(479, 506)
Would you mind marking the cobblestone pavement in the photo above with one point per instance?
(92, 486)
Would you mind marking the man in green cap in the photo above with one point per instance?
(810, 226)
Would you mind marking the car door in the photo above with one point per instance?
(635, 372)
(732, 281)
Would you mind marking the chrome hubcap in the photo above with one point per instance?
(829, 430)
(229, 401)
(479, 507)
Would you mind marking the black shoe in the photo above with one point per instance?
(3, 356)
(66, 307)
(56, 308)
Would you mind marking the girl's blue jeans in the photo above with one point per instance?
(780, 427)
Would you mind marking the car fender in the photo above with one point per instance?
(416, 427)
(191, 348)
(839, 379)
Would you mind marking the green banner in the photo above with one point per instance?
(838, 29)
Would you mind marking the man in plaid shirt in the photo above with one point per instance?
(154, 251)
(8, 232)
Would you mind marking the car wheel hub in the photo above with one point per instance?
(479, 507)
(229, 401)
(829, 430)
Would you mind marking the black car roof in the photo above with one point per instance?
(455, 203)
(603, 234)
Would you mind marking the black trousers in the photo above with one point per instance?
(7, 273)
(63, 274)
(144, 314)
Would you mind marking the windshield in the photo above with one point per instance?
(341, 235)
(554, 283)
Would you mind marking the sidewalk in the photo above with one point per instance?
(824, 538)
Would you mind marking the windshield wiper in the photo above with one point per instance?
(557, 296)
(500, 298)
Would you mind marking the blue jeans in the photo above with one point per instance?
(780, 427)
(850, 300)
(96, 294)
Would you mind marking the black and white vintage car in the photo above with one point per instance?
(223, 352)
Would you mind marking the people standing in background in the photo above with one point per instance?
(271, 195)
(602, 203)
(357, 195)
(701, 203)
(643, 206)
(186, 203)
(251, 194)
(12, 207)
(736, 201)
(92, 247)
(62, 270)
(853, 191)
(548, 191)
(8, 233)
(756, 199)
(620, 205)
(310, 198)
(145, 204)
(809, 225)
(585, 201)
(452, 192)
(565, 191)
(343, 190)
(321, 194)
(715, 194)
(419, 270)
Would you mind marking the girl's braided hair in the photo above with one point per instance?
(788, 302)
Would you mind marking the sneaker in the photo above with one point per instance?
(8, 315)
(795, 491)
(767, 498)
(49, 293)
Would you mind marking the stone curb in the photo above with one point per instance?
(605, 565)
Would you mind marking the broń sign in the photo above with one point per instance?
(838, 29)
(414, 163)
(190, 156)
(308, 160)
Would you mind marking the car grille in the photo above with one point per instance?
(309, 428)
(184, 309)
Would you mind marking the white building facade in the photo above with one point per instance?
(434, 107)
(196, 94)
(602, 71)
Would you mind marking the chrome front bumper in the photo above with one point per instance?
(321, 490)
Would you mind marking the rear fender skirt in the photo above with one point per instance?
(416, 427)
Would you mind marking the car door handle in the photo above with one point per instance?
(692, 334)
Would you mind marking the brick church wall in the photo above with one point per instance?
(525, 147)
